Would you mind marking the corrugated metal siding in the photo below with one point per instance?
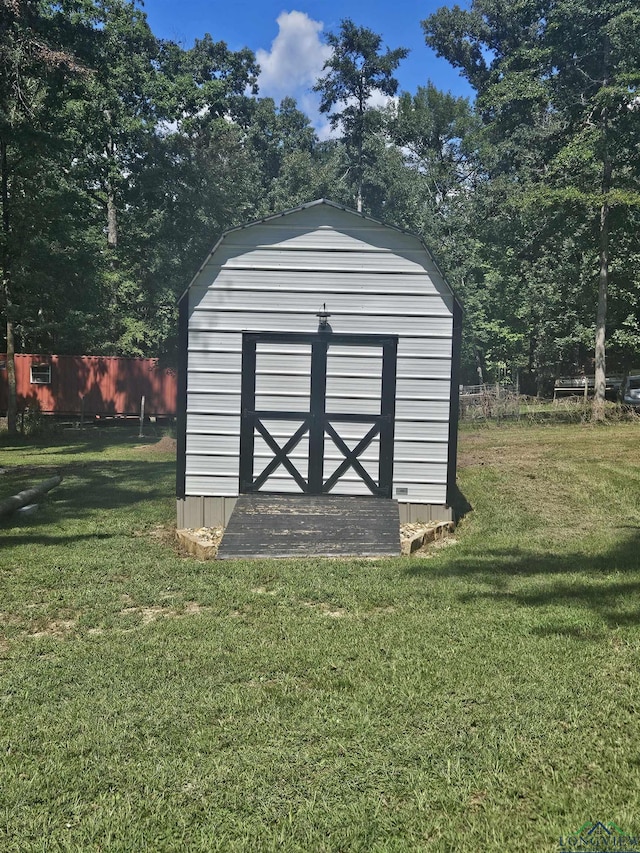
(275, 276)
(391, 315)
(226, 340)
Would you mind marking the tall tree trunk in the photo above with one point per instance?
(601, 316)
(12, 390)
(603, 245)
(112, 212)
(359, 177)
(112, 218)
(12, 396)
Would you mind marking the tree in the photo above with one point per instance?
(37, 59)
(153, 111)
(355, 70)
(438, 134)
(193, 188)
(557, 87)
(120, 109)
(272, 135)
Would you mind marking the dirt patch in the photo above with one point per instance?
(323, 608)
(58, 628)
(382, 611)
(151, 614)
(165, 445)
(38, 626)
(262, 590)
(410, 528)
(11, 619)
(147, 614)
(163, 533)
(481, 450)
(326, 609)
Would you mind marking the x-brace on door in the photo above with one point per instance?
(314, 425)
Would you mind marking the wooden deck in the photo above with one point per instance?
(311, 526)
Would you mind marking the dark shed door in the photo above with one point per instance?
(304, 416)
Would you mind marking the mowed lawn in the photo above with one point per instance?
(484, 697)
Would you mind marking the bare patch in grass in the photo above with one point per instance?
(11, 619)
(59, 628)
(323, 608)
(191, 608)
(165, 445)
(326, 609)
(477, 800)
(151, 614)
(39, 627)
(479, 451)
(381, 611)
(163, 533)
(287, 682)
(146, 614)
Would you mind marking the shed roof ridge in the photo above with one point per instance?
(307, 205)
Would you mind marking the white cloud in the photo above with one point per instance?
(378, 100)
(294, 63)
(324, 130)
(296, 57)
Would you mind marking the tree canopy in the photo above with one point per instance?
(356, 69)
(124, 156)
(557, 91)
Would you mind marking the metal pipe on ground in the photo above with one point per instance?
(15, 502)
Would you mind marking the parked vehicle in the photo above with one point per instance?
(631, 391)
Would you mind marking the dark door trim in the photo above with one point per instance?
(318, 423)
(181, 402)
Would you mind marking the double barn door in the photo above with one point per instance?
(317, 413)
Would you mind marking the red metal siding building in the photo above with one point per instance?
(98, 385)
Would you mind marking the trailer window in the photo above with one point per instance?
(41, 374)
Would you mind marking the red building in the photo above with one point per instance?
(101, 386)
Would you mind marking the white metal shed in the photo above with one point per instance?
(275, 396)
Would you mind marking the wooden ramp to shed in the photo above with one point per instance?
(311, 526)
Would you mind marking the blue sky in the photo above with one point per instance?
(287, 38)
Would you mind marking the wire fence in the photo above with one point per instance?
(500, 402)
(489, 402)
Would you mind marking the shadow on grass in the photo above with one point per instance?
(43, 539)
(459, 504)
(92, 490)
(571, 632)
(92, 439)
(607, 583)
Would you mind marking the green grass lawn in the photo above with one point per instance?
(482, 698)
